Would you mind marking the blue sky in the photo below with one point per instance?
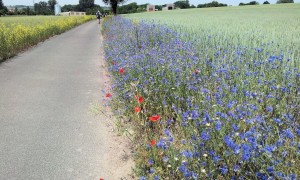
(195, 2)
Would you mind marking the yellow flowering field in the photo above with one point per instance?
(19, 33)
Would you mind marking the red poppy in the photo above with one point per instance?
(154, 118)
(101, 179)
(108, 95)
(153, 142)
(122, 71)
(140, 99)
(137, 109)
(196, 71)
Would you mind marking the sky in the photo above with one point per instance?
(156, 2)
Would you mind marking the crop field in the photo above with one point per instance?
(19, 33)
(210, 93)
(246, 25)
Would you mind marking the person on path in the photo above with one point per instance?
(98, 15)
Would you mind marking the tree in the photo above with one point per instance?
(1, 5)
(52, 3)
(68, 7)
(86, 4)
(93, 10)
(211, 4)
(266, 2)
(182, 4)
(3, 9)
(253, 3)
(158, 7)
(113, 4)
(284, 1)
(42, 8)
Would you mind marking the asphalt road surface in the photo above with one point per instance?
(46, 128)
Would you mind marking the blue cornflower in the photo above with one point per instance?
(298, 131)
(195, 115)
(236, 150)
(150, 161)
(229, 142)
(167, 132)
(162, 144)
(204, 90)
(143, 178)
(230, 104)
(270, 169)
(235, 127)
(216, 159)
(270, 148)
(185, 116)
(151, 171)
(236, 168)
(278, 121)
(224, 169)
(156, 178)
(293, 176)
(288, 133)
(187, 154)
(246, 156)
(218, 126)
(262, 176)
(205, 136)
(233, 90)
(269, 108)
(183, 168)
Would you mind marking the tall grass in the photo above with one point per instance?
(203, 105)
(19, 33)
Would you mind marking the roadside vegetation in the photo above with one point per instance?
(20, 33)
(212, 97)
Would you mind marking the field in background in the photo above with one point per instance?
(19, 33)
(211, 93)
(250, 26)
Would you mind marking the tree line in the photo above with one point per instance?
(89, 6)
(47, 8)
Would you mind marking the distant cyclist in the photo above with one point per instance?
(98, 15)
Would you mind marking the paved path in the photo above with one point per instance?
(46, 128)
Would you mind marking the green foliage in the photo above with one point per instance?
(114, 4)
(3, 9)
(132, 8)
(211, 4)
(42, 8)
(129, 8)
(85, 4)
(93, 10)
(266, 2)
(68, 7)
(250, 3)
(182, 4)
(52, 3)
(158, 7)
(1, 5)
(284, 1)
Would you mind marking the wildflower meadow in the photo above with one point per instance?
(202, 108)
